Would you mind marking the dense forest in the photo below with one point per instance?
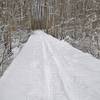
(75, 21)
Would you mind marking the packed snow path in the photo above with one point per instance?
(49, 69)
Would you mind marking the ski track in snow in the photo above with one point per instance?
(49, 69)
(48, 50)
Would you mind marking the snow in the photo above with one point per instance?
(16, 51)
(50, 69)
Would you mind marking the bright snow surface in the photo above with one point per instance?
(49, 69)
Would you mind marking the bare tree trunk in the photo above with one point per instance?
(45, 13)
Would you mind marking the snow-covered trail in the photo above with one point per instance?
(49, 69)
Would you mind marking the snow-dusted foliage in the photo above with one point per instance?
(17, 39)
(80, 20)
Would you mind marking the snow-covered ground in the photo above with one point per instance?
(49, 69)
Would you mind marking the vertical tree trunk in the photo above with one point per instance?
(45, 13)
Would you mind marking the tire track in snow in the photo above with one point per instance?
(58, 65)
(47, 72)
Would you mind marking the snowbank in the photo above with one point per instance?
(49, 69)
